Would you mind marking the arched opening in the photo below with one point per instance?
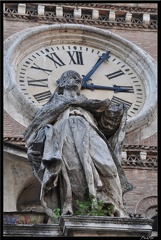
(155, 224)
(29, 198)
(152, 213)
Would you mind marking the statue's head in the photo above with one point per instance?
(66, 76)
(70, 80)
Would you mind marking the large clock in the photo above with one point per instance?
(114, 67)
(38, 72)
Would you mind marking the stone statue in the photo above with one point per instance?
(73, 144)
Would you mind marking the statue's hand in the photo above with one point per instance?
(34, 155)
(102, 104)
(93, 105)
(82, 98)
(98, 105)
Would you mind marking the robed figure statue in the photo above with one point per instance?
(74, 143)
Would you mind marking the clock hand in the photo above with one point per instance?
(115, 88)
(97, 64)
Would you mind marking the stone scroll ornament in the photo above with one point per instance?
(74, 144)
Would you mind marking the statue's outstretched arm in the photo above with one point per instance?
(94, 106)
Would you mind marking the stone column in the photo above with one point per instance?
(21, 8)
(112, 16)
(143, 155)
(128, 17)
(124, 155)
(41, 10)
(146, 18)
(59, 11)
(77, 13)
(95, 14)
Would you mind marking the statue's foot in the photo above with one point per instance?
(68, 212)
(120, 213)
(116, 213)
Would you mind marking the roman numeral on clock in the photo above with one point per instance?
(47, 71)
(117, 100)
(114, 74)
(38, 82)
(44, 96)
(75, 57)
(56, 60)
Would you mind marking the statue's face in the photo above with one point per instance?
(74, 83)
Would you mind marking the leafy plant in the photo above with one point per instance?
(93, 207)
(55, 215)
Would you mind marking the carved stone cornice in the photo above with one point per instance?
(136, 162)
(139, 156)
(14, 140)
(99, 15)
(129, 7)
(131, 148)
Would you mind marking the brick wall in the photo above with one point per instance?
(12, 26)
(11, 127)
(147, 40)
(135, 139)
(145, 184)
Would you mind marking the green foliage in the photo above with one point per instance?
(93, 207)
(56, 213)
(88, 207)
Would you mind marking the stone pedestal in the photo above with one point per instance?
(32, 230)
(84, 226)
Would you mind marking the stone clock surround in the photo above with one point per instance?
(21, 44)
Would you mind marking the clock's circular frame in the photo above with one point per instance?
(23, 43)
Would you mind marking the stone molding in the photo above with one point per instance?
(134, 7)
(32, 230)
(136, 162)
(139, 156)
(107, 15)
(83, 226)
(14, 140)
(75, 226)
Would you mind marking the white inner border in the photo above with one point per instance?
(23, 43)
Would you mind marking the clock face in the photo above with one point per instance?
(38, 72)
(35, 58)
